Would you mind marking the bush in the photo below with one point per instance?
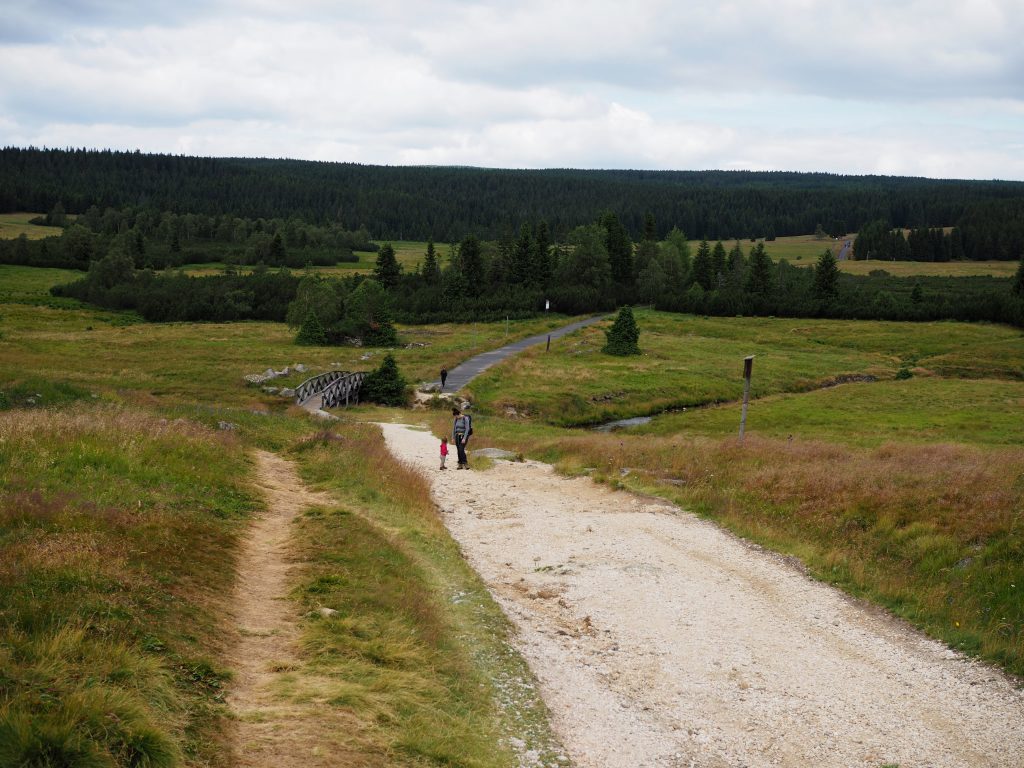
(623, 335)
(386, 385)
(312, 333)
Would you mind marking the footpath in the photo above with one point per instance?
(661, 640)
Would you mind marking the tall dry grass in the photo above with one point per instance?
(934, 532)
(117, 533)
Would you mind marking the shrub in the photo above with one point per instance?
(386, 385)
(623, 335)
(312, 333)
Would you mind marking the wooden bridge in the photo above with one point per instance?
(329, 390)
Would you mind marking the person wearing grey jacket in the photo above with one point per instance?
(462, 428)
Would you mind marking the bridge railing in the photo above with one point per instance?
(336, 388)
(315, 384)
(344, 390)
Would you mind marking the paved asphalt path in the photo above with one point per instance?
(462, 374)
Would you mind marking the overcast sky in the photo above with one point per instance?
(931, 88)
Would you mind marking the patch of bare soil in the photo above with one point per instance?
(276, 728)
(660, 640)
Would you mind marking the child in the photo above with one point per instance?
(444, 450)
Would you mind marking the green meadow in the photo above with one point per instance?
(14, 225)
(122, 502)
(886, 456)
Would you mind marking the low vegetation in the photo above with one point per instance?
(907, 491)
(117, 533)
(416, 650)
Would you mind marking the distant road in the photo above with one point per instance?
(844, 252)
(462, 374)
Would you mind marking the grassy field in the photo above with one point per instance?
(904, 491)
(409, 254)
(690, 361)
(110, 642)
(14, 225)
(121, 504)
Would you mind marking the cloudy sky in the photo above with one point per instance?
(930, 88)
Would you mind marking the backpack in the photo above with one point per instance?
(470, 420)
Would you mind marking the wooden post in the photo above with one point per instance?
(748, 368)
(548, 349)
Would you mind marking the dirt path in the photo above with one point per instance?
(659, 640)
(273, 729)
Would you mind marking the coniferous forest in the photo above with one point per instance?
(584, 241)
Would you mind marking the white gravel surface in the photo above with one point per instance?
(660, 640)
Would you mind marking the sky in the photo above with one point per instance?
(896, 87)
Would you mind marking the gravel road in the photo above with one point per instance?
(660, 640)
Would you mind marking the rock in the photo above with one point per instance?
(327, 612)
(269, 374)
(270, 390)
(299, 367)
(287, 392)
(226, 425)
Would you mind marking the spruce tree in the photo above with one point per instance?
(387, 271)
(623, 335)
(522, 256)
(702, 270)
(542, 254)
(1018, 280)
(737, 267)
(311, 332)
(826, 277)
(471, 264)
(718, 264)
(619, 247)
(276, 256)
(431, 272)
(386, 385)
(759, 276)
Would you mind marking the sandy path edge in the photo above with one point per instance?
(660, 640)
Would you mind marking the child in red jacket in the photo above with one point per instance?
(444, 450)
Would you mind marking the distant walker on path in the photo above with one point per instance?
(444, 377)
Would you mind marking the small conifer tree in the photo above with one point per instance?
(826, 277)
(386, 385)
(311, 332)
(623, 335)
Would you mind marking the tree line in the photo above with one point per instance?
(417, 203)
(155, 239)
(987, 231)
(597, 267)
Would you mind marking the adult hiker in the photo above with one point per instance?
(462, 428)
(444, 377)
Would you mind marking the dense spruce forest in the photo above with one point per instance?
(584, 241)
(447, 203)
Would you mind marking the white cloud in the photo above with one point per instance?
(896, 87)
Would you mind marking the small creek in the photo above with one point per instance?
(609, 426)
